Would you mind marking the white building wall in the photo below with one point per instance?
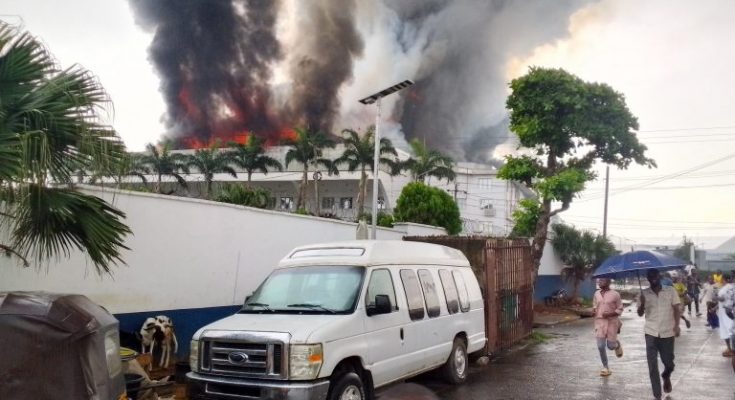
(184, 253)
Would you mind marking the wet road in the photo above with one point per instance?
(567, 367)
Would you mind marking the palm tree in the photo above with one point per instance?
(428, 163)
(250, 156)
(210, 161)
(132, 164)
(50, 122)
(162, 162)
(581, 252)
(306, 148)
(360, 153)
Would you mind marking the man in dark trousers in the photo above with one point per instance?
(662, 308)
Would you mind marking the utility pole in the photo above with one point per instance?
(607, 188)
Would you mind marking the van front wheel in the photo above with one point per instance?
(455, 369)
(348, 386)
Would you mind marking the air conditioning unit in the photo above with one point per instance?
(489, 210)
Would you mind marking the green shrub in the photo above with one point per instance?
(384, 219)
(428, 205)
(244, 196)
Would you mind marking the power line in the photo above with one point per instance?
(657, 220)
(688, 129)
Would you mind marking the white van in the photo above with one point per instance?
(335, 321)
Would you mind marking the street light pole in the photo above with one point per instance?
(376, 171)
(375, 98)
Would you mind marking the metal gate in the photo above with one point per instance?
(504, 270)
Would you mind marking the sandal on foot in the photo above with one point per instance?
(619, 350)
(605, 372)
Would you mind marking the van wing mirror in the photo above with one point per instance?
(382, 305)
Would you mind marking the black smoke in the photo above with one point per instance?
(214, 59)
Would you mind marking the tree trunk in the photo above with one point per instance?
(302, 189)
(361, 191)
(158, 184)
(250, 175)
(209, 189)
(316, 196)
(539, 238)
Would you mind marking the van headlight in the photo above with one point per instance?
(194, 356)
(305, 361)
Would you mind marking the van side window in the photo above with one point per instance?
(429, 289)
(464, 297)
(380, 283)
(413, 294)
(450, 291)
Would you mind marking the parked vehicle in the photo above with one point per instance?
(337, 320)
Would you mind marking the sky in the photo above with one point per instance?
(671, 59)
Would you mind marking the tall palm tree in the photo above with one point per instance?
(162, 163)
(250, 156)
(210, 161)
(427, 163)
(50, 122)
(360, 153)
(132, 164)
(306, 148)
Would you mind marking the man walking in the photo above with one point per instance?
(662, 308)
(693, 288)
(607, 306)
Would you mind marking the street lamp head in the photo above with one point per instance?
(374, 97)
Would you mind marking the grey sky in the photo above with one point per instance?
(672, 60)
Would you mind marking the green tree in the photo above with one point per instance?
(424, 204)
(210, 161)
(359, 153)
(251, 156)
(162, 162)
(50, 121)
(426, 163)
(567, 124)
(132, 165)
(307, 149)
(684, 250)
(580, 251)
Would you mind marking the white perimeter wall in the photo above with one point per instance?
(185, 253)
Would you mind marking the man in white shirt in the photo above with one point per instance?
(661, 306)
(727, 327)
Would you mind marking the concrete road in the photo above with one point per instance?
(567, 367)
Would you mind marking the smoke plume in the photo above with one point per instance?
(230, 66)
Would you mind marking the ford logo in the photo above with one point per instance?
(238, 358)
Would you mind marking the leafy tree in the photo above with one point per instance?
(210, 161)
(132, 164)
(580, 251)
(684, 250)
(50, 122)
(244, 196)
(359, 153)
(567, 124)
(250, 156)
(425, 204)
(307, 149)
(427, 163)
(162, 162)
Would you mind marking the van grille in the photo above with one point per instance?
(246, 359)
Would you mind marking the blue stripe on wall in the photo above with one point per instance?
(548, 284)
(186, 323)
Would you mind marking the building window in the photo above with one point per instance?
(286, 203)
(381, 203)
(485, 204)
(272, 203)
(485, 183)
(462, 203)
(345, 203)
(327, 203)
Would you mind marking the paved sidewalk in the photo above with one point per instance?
(567, 367)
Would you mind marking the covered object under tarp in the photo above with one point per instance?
(58, 346)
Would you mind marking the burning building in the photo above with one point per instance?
(233, 67)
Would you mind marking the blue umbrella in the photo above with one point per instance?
(633, 263)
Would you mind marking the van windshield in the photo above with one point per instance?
(308, 290)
